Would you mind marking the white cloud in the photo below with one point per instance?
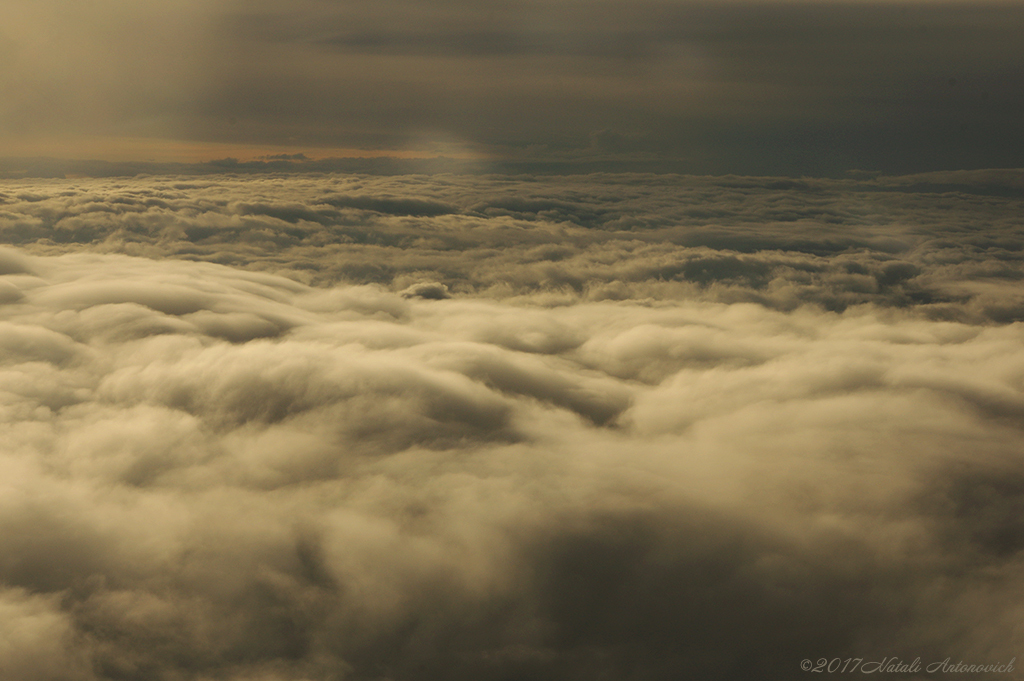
(37, 640)
(782, 243)
(217, 472)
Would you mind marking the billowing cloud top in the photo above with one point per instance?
(343, 427)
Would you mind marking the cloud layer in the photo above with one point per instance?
(946, 245)
(516, 429)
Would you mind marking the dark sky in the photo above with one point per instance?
(742, 87)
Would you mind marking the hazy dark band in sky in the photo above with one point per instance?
(747, 87)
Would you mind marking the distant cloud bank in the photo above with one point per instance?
(315, 427)
(943, 245)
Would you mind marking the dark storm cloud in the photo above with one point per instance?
(211, 472)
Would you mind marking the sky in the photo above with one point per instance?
(746, 87)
